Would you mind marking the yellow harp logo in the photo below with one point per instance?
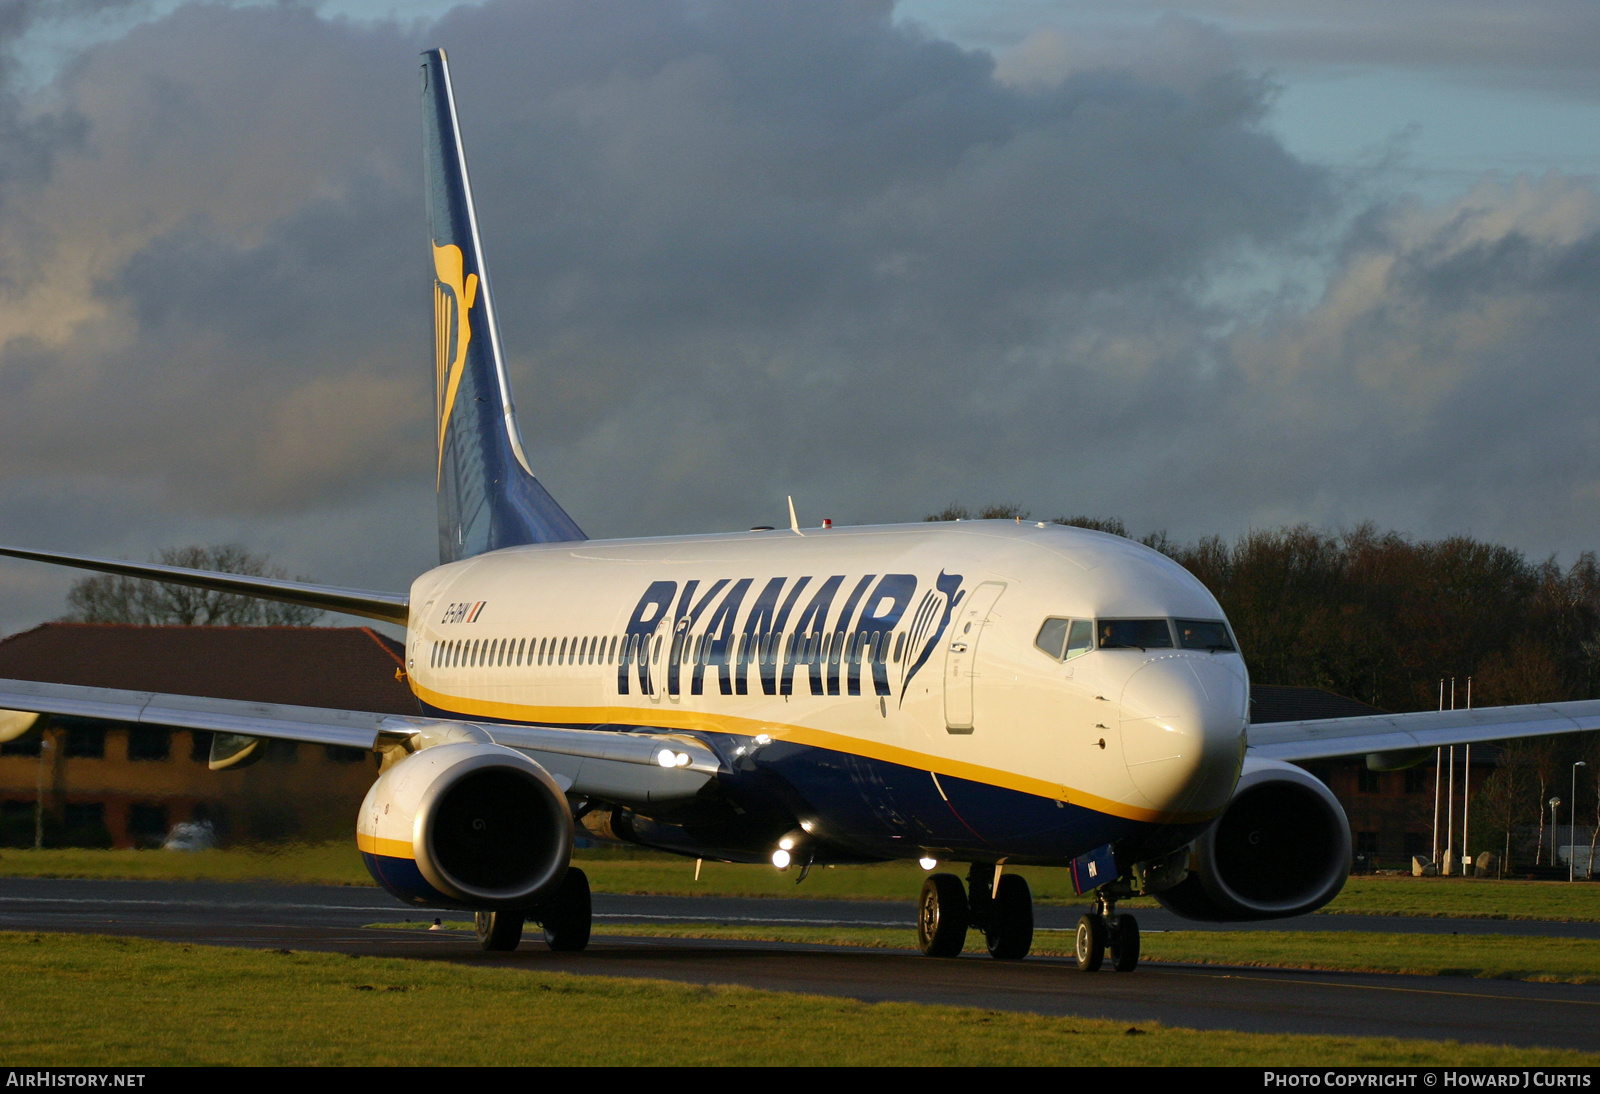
(453, 295)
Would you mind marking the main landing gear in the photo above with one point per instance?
(1003, 912)
(566, 915)
(1104, 929)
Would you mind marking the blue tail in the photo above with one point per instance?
(488, 497)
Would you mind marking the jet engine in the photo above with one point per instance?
(1280, 848)
(469, 825)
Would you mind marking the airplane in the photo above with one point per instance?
(1000, 694)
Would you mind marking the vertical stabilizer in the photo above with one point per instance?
(488, 496)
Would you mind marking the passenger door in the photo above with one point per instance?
(961, 657)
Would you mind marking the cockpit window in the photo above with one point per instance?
(1081, 638)
(1053, 637)
(1203, 634)
(1065, 639)
(1142, 634)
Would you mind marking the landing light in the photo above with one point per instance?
(780, 859)
(927, 863)
(787, 843)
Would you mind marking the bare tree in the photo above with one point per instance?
(1542, 758)
(111, 598)
(1501, 801)
(1002, 511)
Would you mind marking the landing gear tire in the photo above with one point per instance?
(1124, 943)
(1009, 931)
(942, 916)
(568, 913)
(1090, 948)
(498, 932)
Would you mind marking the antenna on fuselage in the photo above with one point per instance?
(794, 521)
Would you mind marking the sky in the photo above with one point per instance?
(1205, 266)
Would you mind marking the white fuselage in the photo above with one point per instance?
(542, 634)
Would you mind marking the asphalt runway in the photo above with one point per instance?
(1202, 997)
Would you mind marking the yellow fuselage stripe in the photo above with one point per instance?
(705, 722)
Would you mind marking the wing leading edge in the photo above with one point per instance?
(389, 607)
(628, 768)
(1391, 739)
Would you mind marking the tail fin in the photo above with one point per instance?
(488, 496)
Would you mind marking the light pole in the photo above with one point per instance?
(1572, 859)
(38, 801)
(1555, 803)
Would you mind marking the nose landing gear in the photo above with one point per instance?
(1104, 929)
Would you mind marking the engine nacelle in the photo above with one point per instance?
(469, 825)
(1280, 848)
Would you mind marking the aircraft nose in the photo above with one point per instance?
(1183, 725)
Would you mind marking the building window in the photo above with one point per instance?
(339, 754)
(149, 743)
(84, 825)
(280, 751)
(16, 823)
(200, 745)
(1416, 780)
(1369, 782)
(1366, 843)
(26, 745)
(86, 740)
(147, 824)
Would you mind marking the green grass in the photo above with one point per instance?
(628, 871)
(1491, 957)
(95, 1001)
(1472, 898)
(336, 863)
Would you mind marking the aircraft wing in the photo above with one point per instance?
(1390, 737)
(389, 607)
(624, 767)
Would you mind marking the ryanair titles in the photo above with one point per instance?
(735, 637)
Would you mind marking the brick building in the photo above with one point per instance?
(114, 784)
(1391, 812)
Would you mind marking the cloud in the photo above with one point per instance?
(1513, 40)
(1450, 368)
(749, 250)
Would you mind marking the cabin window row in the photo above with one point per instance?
(766, 648)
